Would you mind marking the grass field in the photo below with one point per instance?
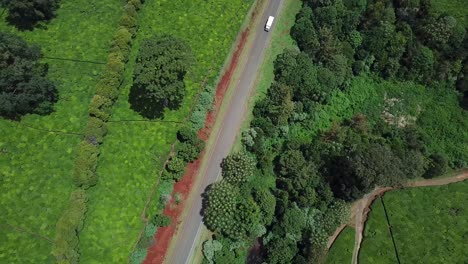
(36, 164)
(429, 226)
(133, 152)
(377, 244)
(456, 8)
(341, 251)
(430, 223)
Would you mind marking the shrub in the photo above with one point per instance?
(100, 107)
(115, 63)
(178, 198)
(150, 230)
(176, 168)
(209, 248)
(108, 84)
(189, 152)
(138, 256)
(130, 23)
(95, 130)
(161, 220)
(85, 165)
(65, 247)
(197, 118)
(121, 41)
(187, 134)
(135, 3)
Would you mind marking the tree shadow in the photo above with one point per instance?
(144, 105)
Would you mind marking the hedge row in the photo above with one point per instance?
(190, 145)
(66, 244)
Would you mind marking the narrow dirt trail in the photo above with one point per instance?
(361, 208)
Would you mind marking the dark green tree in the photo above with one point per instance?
(24, 87)
(25, 14)
(160, 69)
(237, 168)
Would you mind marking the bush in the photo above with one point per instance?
(197, 118)
(209, 248)
(100, 107)
(189, 152)
(138, 256)
(95, 130)
(161, 220)
(65, 247)
(437, 166)
(130, 23)
(187, 134)
(150, 230)
(85, 165)
(175, 168)
(108, 85)
(121, 42)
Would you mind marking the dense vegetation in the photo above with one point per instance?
(159, 74)
(24, 87)
(369, 99)
(433, 216)
(25, 14)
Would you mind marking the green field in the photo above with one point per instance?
(429, 226)
(456, 8)
(341, 251)
(133, 152)
(377, 244)
(36, 164)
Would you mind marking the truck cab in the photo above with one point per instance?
(269, 23)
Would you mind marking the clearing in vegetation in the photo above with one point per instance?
(38, 152)
(135, 148)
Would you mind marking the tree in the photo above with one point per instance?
(160, 69)
(25, 14)
(221, 202)
(281, 251)
(267, 203)
(437, 166)
(304, 32)
(24, 87)
(238, 168)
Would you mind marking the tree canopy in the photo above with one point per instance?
(161, 65)
(24, 87)
(25, 14)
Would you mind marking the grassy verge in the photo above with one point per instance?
(430, 223)
(36, 163)
(342, 249)
(134, 152)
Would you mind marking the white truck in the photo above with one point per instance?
(269, 23)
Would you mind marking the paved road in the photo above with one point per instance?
(232, 120)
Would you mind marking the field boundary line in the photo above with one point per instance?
(390, 230)
(49, 131)
(74, 60)
(24, 230)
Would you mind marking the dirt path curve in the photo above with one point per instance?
(361, 208)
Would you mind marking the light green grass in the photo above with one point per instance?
(37, 164)
(133, 152)
(280, 40)
(430, 223)
(341, 251)
(377, 244)
(456, 8)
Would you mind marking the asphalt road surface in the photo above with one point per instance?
(232, 120)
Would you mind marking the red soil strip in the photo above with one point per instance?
(163, 236)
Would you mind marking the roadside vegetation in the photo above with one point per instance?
(371, 98)
(136, 146)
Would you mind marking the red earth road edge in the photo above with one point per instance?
(156, 253)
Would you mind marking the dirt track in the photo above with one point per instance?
(361, 208)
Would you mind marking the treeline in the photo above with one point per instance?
(308, 179)
(66, 242)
